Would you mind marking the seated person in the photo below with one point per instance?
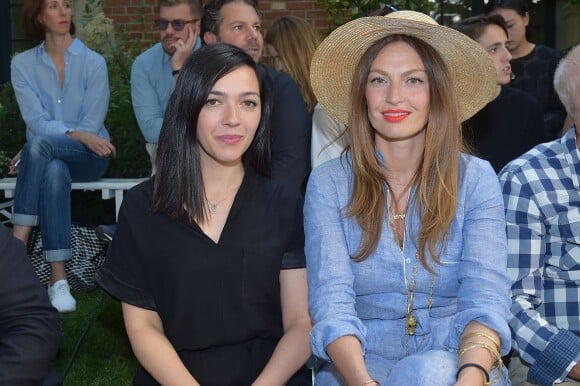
(405, 234)
(291, 41)
(29, 325)
(208, 258)
(153, 72)
(62, 89)
(542, 198)
(511, 123)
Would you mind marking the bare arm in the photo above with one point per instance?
(293, 350)
(153, 349)
(479, 355)
(346, 354)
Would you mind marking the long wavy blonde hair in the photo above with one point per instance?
(438, 174)
(295, 40)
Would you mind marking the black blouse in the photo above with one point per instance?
(210, 295)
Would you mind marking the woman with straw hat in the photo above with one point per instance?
(405, 233)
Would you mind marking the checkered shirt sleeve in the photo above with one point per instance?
(542, 200)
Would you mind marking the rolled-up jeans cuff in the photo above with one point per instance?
(57, 255)
(24, 219)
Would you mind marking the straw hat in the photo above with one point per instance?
(472, 71)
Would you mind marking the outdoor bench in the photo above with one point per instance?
(109, 187)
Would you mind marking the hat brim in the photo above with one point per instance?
(333, 64)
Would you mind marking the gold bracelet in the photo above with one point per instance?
(498, 361)
(369, 381)
(483, 335)
(492, 350)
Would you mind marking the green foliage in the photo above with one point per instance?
(12, 128)
(112, 41)
(341, 11)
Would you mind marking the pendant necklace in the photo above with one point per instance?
(213, 206)
(411, 321)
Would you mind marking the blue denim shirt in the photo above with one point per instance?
(369, 299)
(49, 109)
(151, 86)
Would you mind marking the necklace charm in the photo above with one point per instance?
(410, 324)
(400, 216)
(212, 208)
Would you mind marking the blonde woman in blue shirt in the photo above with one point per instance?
(62, 90)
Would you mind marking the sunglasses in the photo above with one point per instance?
(178, 25)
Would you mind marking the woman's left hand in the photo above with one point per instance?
(97, 144)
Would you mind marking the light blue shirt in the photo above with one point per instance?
(368, 299)
(49, 109)
(151, 86)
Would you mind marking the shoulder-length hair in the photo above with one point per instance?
(437, 177)
(31, 26)
(179, 187)
(295, 40)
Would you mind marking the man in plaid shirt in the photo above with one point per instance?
(542, 197)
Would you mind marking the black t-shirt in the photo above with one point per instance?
(534, 74)
(219, 302)
(505, 128)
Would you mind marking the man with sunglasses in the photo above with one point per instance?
(237, 22)
(153, 72)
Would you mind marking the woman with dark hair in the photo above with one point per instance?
(62, 89)
(208, 258)
(533, 65)
(405, 233)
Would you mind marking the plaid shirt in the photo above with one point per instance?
(542, 198)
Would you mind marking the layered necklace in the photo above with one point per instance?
(410, 319)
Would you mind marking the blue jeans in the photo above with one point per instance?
(49, 164)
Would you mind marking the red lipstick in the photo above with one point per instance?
(395, 116)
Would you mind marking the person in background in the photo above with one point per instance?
(29, 325)
(237, 22)
(532, 65)
(511, 123)
(542, 203)
(405, 234)
(62, 90)
(291, 42)
(153, 75)
(153, 72)
(223, 299)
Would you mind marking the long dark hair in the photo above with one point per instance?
(178, 187)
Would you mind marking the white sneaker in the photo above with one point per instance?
(60, 297)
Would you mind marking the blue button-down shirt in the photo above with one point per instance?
(369, 299)
(48, 108)
(542, 197)
(151, 86)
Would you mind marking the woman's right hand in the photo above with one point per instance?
(98, 145)
(13, 167)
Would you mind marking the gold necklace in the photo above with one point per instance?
(411, 321)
